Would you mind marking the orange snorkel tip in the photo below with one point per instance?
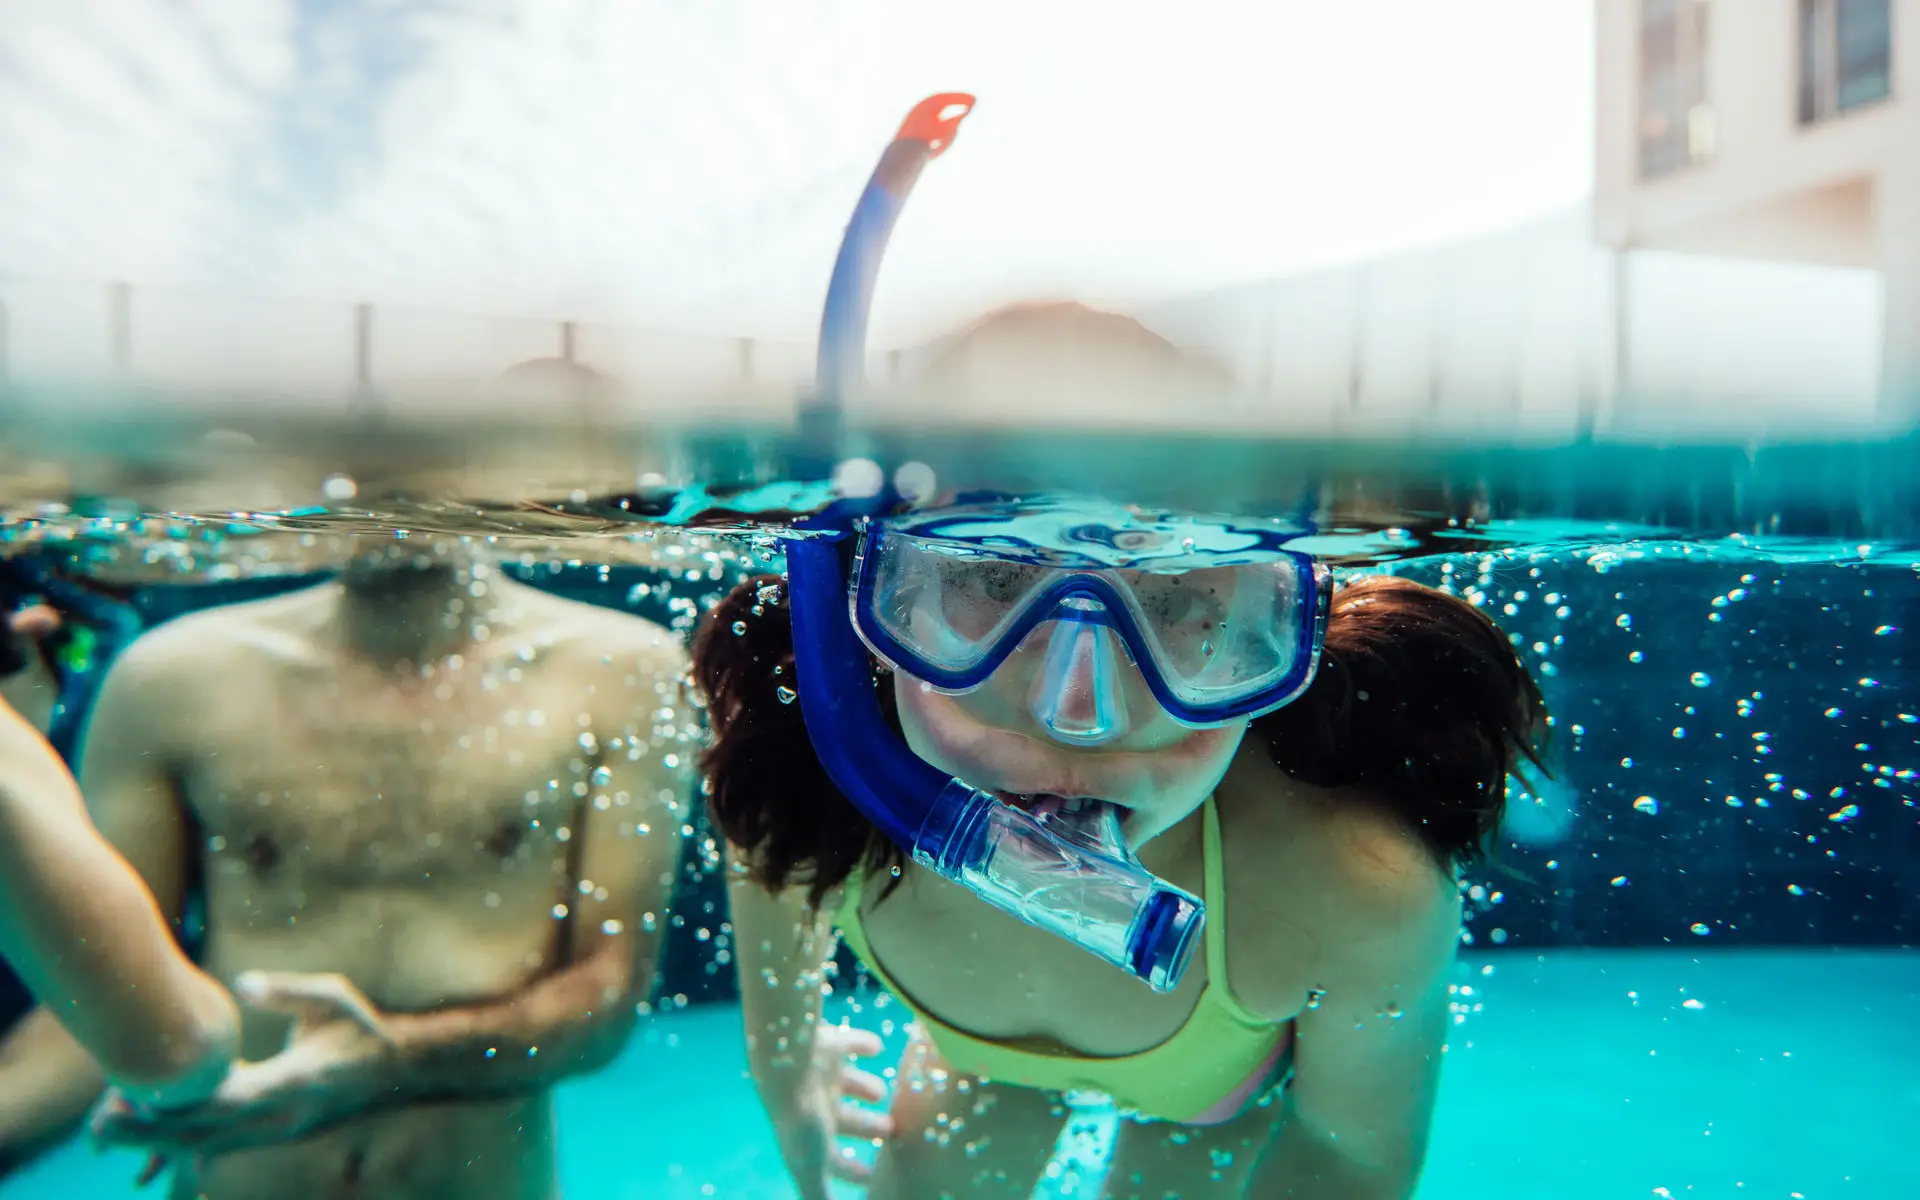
(936, 121)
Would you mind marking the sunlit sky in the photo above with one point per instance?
(690, 164)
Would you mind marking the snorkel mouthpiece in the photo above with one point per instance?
(1084, 885)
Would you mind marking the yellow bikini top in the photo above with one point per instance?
(1218, 1057)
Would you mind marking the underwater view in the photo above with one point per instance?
(532, 665)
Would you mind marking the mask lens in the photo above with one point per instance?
(948, 603)
(1223, 633)
(1211, 638)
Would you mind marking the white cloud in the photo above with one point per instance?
(691, 165)
(119, 126)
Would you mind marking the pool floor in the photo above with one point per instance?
(1585, 1075)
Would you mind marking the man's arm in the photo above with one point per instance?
(83, 913)
(47, 1084)
(1367, 1059)
(577, 1018)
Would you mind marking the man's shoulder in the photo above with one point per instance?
(587, 633)
(215, 643)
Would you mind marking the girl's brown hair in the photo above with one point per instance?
(1420, 705)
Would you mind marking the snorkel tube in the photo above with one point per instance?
(924, 136)
(1071, 874)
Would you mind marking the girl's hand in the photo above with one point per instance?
(826, 1110)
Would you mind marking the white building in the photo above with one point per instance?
(1773, 130)
(1539, 333)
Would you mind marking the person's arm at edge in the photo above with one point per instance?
(81, 922)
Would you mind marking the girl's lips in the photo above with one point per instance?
(1045, 801)
(1050, 800)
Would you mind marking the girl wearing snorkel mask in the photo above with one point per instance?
(1115, 802)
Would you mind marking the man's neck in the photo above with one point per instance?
(399, 609)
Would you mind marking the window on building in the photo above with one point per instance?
(1846, 56)
(1676, 122)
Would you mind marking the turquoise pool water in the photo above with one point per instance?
(1796, 1077)
(1704, 988)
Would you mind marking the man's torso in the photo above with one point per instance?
(412, 833)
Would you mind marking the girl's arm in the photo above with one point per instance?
(1367, 1057)
(782, 949)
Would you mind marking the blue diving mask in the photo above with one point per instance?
(1112, 610)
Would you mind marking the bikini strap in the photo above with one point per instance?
(1215, 887)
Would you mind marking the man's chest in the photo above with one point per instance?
(371, 783)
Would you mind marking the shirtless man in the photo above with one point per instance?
(434, 813)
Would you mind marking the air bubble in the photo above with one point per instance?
(858, 478)
(1700, 679)
(1700, 930)
(739, 627)
(1647, 804)
(785, 694)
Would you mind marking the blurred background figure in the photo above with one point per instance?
(559, 388)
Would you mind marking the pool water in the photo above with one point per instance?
(1582, 1075)
(1695, 980)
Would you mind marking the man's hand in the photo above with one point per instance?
(330, 1070)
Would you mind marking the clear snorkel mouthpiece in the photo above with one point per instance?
(1090, 890)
